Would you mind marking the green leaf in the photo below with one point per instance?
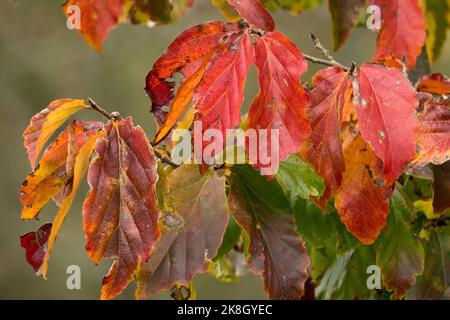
(437, 21)
(334, 277)
(346, 277)
(231, 237)
(151, 12)
(313, 224)
(345, 15)
(295, 6)
(434, 283)
(400, 254)
(299, 179)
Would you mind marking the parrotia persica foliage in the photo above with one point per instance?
(364, 174)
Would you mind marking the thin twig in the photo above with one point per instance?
(97, 108)
(330, 61)
(321, 48)
(325, 62)
(165, 159)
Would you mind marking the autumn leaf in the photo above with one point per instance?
(98, 18)
(81, 164)
(51, 179)
(403, 30)
(44, 124)
(191, 232)
(435, 83)
(254, 13)
(386, 107)
(400, 254)
(434, 135)
(188, 55)
(281, 102)
(344, 14)
(120, 212)
(277, 253)
(441, 187)
(35, 247)
(362, 199)
(327, 104)
(219, 96)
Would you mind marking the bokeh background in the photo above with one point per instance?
(41, 60)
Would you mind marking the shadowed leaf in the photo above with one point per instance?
(192, 231)
(277, 253)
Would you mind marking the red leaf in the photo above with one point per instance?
(385, 110)
(434, 136)
(120, 216)
(35, 247)
(184, 55)
(403, 31)
(362, 199)
(220, 94)
(434, 83)
(98, 18)
(327, 103)
(254, 13)
(281, 102)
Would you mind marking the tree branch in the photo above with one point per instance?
(96, 107)
(164, 158)
(325, 62)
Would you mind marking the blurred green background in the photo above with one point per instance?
(41, 60)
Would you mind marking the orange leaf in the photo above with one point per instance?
(50, 176)
(434, 83)
(81, 164)
(120, 214)
(386, 106)
(327, 104)
(98, 18)
(434, 136)
(44, 124)
(362, 200)
(403, 31)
